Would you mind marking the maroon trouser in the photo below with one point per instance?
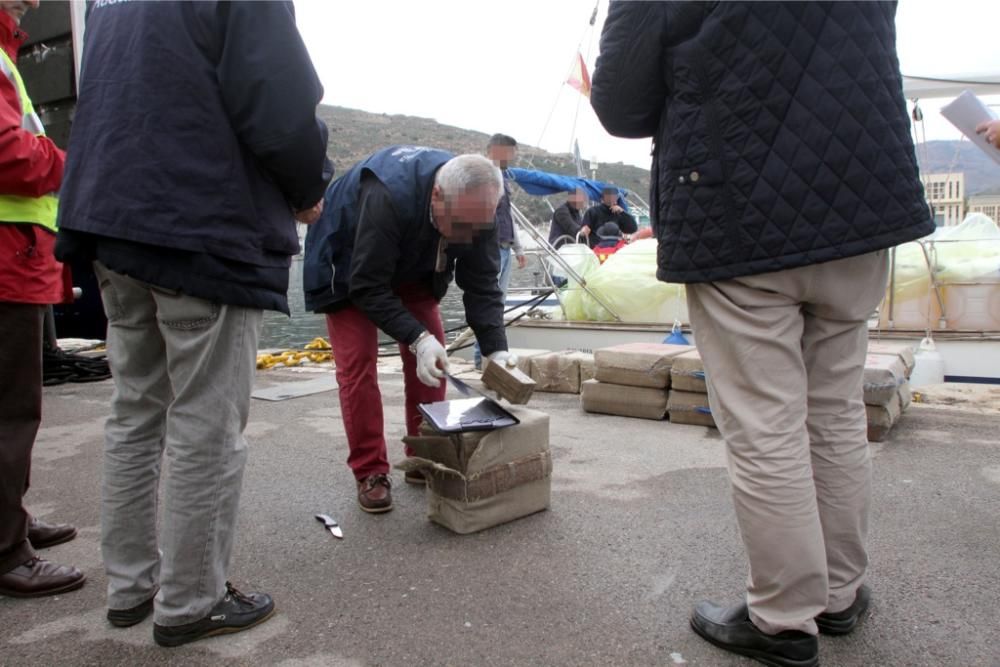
(354, 339)
(20, 415)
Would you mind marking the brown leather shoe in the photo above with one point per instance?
(375, 494)
(38, 577)
(43, 535)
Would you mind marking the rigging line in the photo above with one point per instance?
(548, 119)
(589, 37)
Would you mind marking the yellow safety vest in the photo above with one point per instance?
(33, 210)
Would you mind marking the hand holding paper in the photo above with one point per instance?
(992, 130)
(968, 113)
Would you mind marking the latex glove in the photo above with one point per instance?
(503, 357)
(432, 361)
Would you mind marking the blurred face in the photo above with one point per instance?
(578, 199)
(502, 156)
(463, 217)
(17, 9)
(609, 199)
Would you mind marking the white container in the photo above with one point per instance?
(929, 368)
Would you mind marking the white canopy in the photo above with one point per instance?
(921, 87)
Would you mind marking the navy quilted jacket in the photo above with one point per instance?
(781, 137)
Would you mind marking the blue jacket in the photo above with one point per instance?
(195, 130)
(781, 134)
(376, 236)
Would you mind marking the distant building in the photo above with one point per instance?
(987, 202)
(946, 193)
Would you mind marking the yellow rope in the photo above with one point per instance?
(317, 351)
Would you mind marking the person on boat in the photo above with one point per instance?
(609, 241)
(31, 170)
(396, 228)
(182, 177)
(567, 220)
(783, 170)
(609, 210)
(502, 150)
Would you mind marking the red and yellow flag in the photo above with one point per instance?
(578, 77)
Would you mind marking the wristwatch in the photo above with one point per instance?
(413, 346)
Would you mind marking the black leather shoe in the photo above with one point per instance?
(126, 618)
(37, 577)
(236, 612)
(730, 628)
(843, 622)
(43, 535)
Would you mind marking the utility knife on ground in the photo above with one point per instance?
(331, 525)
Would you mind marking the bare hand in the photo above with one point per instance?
(522, 261)
(310, 215)
(992, 130)
(616, 209)
(585, 230)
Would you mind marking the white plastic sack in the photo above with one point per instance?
(627, 283)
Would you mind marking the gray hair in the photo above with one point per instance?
(469, 172)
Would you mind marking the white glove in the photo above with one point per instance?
(432, 361)
(504, 358)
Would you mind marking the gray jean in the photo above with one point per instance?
(183, 370)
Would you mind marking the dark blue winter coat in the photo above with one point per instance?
(196, 130)
(781, 134)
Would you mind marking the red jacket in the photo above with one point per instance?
(30, 166)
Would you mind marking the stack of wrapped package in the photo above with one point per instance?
(631, 380)
(480, 479)
(688, 400)
(887, 388)
(561, 372)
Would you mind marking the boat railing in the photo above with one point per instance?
(551, 257)
(930, 250)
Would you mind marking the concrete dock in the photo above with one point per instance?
(641, 527)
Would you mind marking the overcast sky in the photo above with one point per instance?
(500, 66)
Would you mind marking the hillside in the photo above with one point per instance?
(981, 173)
(355, 134)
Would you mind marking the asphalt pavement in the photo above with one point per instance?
(641, 527)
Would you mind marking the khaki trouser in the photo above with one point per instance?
(784, 355)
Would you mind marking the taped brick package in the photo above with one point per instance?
(524, 356)
(687, 373)
(884, 374)
(687, 407)
(881, 418)
(623, 400)
(508, 383)
(905, 352)
(556, 372)
(480, 479)
(637, 364)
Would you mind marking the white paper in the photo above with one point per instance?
(966, 112)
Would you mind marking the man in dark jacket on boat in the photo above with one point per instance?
(195, 139)
(782, 170)
(395, 229)
(609, 210)
(567, 220)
